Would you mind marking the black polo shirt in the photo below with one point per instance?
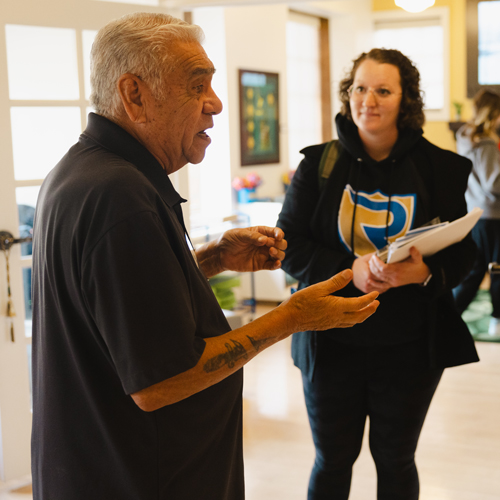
(119, 304)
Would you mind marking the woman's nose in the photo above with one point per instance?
(370, 99)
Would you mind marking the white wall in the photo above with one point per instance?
(256, 40)
(350, 34)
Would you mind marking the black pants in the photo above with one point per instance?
(390, 385)
(486, 234)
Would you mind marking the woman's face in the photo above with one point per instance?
(375, 97)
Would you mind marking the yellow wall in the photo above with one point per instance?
(438, 132)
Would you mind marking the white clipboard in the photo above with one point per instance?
(434, 240)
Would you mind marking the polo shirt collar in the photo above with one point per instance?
(112, 137)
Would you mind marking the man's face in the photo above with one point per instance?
(177, 122)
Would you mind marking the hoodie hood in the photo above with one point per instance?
(351, 141)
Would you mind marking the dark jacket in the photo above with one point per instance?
(317, 251)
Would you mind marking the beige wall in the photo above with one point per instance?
(438, 132)
(256, 39)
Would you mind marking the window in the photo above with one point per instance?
(483, 46)
(34, 56)
(424, 39)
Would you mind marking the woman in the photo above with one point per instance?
(478, 140)
(386, 180)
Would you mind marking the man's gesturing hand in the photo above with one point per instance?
(252, 248)
(314, 308)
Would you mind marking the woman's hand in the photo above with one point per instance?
(364, 279)
(409, 271)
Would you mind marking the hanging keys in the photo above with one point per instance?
(6, 242)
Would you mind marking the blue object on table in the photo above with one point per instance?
(244, 195)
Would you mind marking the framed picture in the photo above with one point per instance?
(259, 117)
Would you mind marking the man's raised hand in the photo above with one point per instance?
(314, 308)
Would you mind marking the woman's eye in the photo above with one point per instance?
(384, 92)
(359, 90)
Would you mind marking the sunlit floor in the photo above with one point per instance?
(458, 456)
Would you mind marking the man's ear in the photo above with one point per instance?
(131, 89)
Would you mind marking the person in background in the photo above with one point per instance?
(386, 180)
(478, 140)
(136, 375)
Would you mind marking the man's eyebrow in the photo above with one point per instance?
(203, 71)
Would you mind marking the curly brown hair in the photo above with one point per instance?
(411, 111)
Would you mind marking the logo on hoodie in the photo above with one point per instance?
(371, 219)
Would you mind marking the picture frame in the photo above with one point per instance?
(259, 117)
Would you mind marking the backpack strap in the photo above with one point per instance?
(328, 159)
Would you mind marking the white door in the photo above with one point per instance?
(44, 46)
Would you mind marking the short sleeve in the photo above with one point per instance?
(138, 295)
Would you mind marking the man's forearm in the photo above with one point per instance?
(314, 308)
(222, 356)
(209, 259)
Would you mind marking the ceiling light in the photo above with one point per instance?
(414, 5)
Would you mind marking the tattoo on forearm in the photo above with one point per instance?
(234, 353)
(257, 344)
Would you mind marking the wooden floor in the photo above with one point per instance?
(458, 456)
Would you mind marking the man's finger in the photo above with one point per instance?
(366, 300)
(340, 280)
(276, 254)
(271, 242)
(272, 265)
(361, 315)
(353, 305)
(271, 232)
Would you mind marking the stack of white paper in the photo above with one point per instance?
(431, 239)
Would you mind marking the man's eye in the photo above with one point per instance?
(199, 88)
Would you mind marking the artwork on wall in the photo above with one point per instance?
(259, 117)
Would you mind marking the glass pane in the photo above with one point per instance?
(489, 43)
(427, 55)
(26, 201)
(27, 301)
(40, 137)
(87, 41)
(41, 63)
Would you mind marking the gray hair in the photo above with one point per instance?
(138, 44)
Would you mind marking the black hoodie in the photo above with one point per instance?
(318, 225)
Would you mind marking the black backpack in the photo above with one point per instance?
(328, 159)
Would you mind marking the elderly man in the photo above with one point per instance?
(137, 376)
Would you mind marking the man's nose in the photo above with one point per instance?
(213, 105)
